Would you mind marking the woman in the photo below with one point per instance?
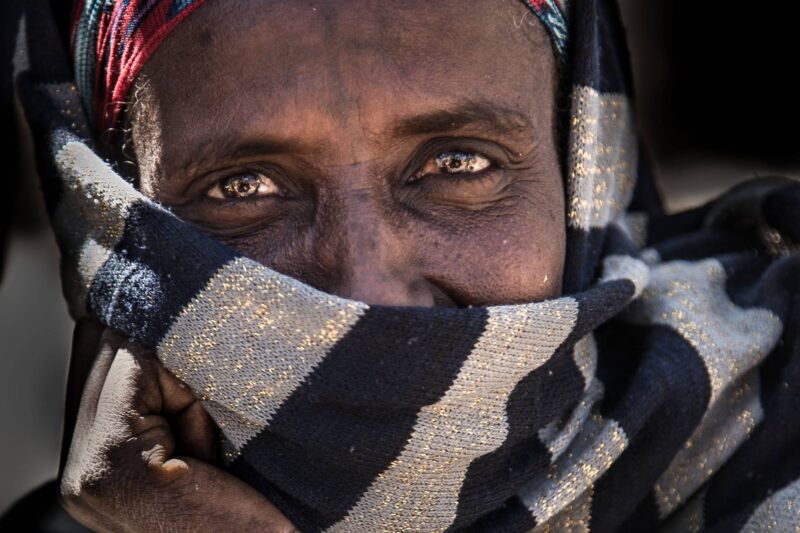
(440, 352)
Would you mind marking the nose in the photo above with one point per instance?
(373, 258)
(375, 272)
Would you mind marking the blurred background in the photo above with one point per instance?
(717, 103)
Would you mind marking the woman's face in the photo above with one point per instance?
(398, 153)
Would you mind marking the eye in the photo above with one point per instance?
(455, 162)
(245, 185)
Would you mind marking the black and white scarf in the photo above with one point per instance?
(662, 390)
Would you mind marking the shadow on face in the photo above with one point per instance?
(394, 155)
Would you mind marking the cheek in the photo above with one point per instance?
(512, 258)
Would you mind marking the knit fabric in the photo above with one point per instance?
(110, 40)
(660, 392)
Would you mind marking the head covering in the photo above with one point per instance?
(111, 40)
(660, 390)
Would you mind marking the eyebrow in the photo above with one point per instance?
(483, 115)
(215, 148)
(468, 113)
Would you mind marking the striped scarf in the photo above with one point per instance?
(659, 393)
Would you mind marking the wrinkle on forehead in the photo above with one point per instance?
(259, 75)
(388, 29)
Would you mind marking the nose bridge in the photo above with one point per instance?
(375, 262)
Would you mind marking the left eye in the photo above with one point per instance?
(244, 185)
(456, 162)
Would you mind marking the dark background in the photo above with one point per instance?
(718, 78)
(717, 103)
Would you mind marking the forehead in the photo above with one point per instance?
(311, 68)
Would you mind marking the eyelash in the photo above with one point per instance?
(491, 165)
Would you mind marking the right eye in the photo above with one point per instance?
(249, 184)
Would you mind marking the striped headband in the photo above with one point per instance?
(110, 41)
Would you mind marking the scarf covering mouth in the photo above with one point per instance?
(660, 392)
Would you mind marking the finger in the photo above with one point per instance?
(165, 414)
(132, 388)
(195, 431)
(176, 394)
(156, 446)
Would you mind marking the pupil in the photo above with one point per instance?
(244, 185)
(456, 161)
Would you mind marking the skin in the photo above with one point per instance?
(305, 135)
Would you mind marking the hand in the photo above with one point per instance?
(122, 473)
